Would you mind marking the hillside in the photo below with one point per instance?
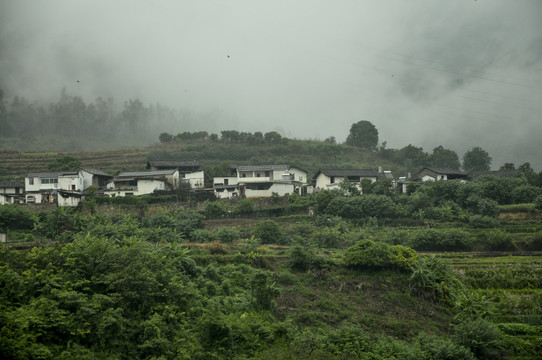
(307, 154)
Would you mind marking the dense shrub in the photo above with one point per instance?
(244, 207)
(202, 236)
(303, 258)
(538, 202)
(525, 194)
(432, 279)
(187, 220)
(327, 237)
(378, 206)
(480, 336)
(215, 209)
(441, 240)
(227, 234)
(269, 232)
(499, 240)
(14, 217)
(368, 254)
(482, 222)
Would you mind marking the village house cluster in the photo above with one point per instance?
(69, 188)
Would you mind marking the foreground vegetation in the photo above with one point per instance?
(261, 279)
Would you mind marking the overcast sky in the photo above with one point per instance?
(454, 73)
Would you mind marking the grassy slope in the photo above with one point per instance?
(307, 154)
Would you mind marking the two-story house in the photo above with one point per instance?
(433, 174)
(143, 182)
(189, 171)
(11, 192)
(328, 179)
(266, 180)
(43, 187)
(64, 187)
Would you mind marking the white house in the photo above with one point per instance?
(195, 179)
(327, 179)
(226, 187)
(433, 174)
(143, 182)
(43, 187)
(266, 180)
(11, 192)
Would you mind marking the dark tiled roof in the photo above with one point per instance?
(134, 174)
(263, 167)
(96, 172)
(446, 171)
(497, 173)
(11, 183)
(348, 172)
(50, 174)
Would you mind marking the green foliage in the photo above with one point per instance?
(432, 279)
(481, 336)
(244, 207)
(14, 217)
(368, 254)
(525, 194)
(202, 236)
(269, 232)
(472, 305)
(356, 207)
(538, 202)
(227, 235)
(476, 159)
(215, 209)
(303, 258)
(499, 240)
(363, 134)
(482, 222)
(64, 163)
(444, 158)
(441, 240)
(328, 237)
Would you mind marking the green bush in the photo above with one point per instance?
(302, 258)
(441, 240)
(368, 254)
(538, 202)
(269, 232)
(481, 336)
(432, 279)
(227, 234)
(215, 209)
(498, 240)
(202, 236)
(525, 194)
(328, 237)
(482, 222)
(14, 217)
(244, 207)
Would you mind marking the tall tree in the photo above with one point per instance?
(363, 134)
(444, 158)
(476, 159)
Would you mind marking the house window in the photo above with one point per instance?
(260, 187)
(73, 187)
(244, 175)
(226, 181)
(332, 179)
(31, 181)
(267, 174)
(258, 175)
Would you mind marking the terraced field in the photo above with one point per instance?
(513, 284)
(15, 164)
